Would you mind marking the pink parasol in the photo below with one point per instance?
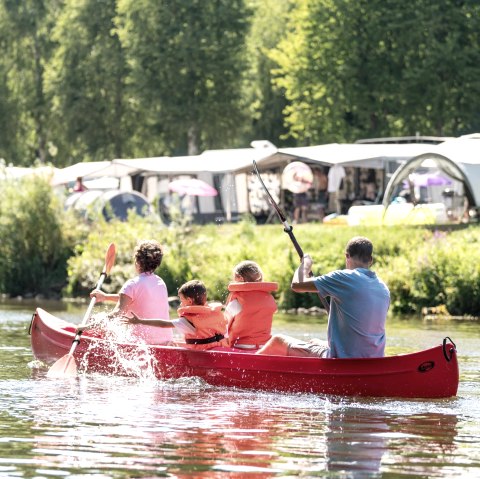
(192, 187)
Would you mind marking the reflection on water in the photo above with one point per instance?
(120, 426)
(356, 440)
(116, 427)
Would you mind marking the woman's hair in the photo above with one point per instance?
(361, 248)
(249, 271)
(148, 255)
(195, 290)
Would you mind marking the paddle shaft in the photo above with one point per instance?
(87, 314)
(286, 226)
(66, 365)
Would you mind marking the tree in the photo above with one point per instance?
(25, 26)
(86, 79)
(187, 60)
(369, 68)
(8, 118)
(441, 75)
(264, 100)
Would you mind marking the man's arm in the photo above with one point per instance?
(303, 281)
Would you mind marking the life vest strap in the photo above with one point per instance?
(213, 339)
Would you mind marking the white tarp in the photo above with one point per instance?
(213, 161)
(241, 160)
(359, 155)
(90, 170)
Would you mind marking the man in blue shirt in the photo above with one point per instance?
(359, 303)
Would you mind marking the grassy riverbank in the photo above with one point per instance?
(44, 249)
(422, 267)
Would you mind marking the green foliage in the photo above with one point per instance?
(26, 46)
(442, 269)
(86, 79)
(421, 267)
(187, 59)
(33, 249)
(263, 99)
(368, 68)
(90, 79)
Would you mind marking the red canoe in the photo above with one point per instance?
(432, 373)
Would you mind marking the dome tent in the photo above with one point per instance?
(110, 203)
(458, 158)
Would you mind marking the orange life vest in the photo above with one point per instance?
(209, 322)
(253, 324)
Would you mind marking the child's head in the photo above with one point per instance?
(148, 256)
(247, 272)
(193, 292)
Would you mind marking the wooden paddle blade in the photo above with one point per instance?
(65, 367)
(109, 258)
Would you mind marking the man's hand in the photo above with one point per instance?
(302, 281)
(307, 264)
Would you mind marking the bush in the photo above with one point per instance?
(420, 266)
(33, 249)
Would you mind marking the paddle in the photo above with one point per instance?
(286, 226)
(66, 365)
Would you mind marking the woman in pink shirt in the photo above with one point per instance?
(145, 295)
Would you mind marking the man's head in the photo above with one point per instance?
(359, 252)
(193, 292)
(247, 272)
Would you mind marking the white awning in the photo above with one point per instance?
(359, 155)
(90, 170)
(213, 161)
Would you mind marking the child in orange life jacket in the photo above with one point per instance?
(202, 324)
(250, 307)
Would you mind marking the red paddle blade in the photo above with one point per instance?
(65, 367)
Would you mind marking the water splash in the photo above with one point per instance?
(136, 361)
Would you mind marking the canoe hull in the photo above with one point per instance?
(432, 373)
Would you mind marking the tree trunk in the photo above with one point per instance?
(38, 111)
(192, 137)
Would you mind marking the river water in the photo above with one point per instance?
(108, 427)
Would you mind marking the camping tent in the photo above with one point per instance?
(458, 158)
(110, 203)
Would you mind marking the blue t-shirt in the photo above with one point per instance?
(359, 303)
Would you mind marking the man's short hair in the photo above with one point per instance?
(361, 248)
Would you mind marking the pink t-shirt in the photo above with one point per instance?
(149, 301)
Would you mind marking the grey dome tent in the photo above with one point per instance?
(110, 203)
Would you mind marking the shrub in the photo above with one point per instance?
(33, 249)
